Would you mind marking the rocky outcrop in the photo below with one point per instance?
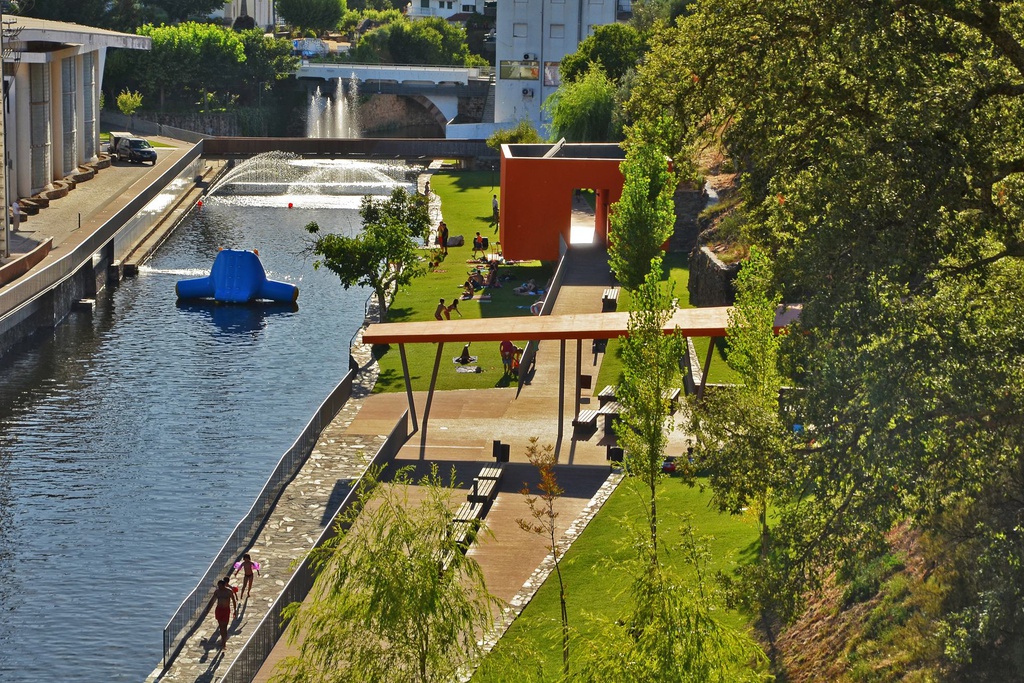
(711, 282)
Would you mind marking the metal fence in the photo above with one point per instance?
(530, 352)
(193, 608)
(28, 288)
(262, 641)
(150, 127)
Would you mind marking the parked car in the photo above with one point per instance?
(669, 466)
(133, 149)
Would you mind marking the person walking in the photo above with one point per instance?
(248, 566)
(15, 215)
(454, 307)
(494, 209)
(439, 312)
(224, 598)
(442, 237)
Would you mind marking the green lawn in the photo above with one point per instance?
(597, 590)
(466, 207)
(676, 277)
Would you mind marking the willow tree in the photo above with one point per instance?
(396, 599)
(583, 110)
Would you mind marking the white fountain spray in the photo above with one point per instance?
(337, 117)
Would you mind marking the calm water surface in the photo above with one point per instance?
(133, 440)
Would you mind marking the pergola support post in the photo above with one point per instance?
(408, 387)
(430, 397)
(561, 397)
(707, 367)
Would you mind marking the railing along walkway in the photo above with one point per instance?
(294, 525)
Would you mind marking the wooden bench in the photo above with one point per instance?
(484, 491)
(607, 394)
(610, 299)
(468, 512)
(494, 472)
(672, 396)
(586, 418)
(463, 533)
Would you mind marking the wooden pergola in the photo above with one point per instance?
(690, 322)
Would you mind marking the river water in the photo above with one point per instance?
(132, 440)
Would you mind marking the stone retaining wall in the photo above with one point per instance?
(711, 282)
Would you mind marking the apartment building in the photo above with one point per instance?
(532, 38)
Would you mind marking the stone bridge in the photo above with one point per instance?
(437, 88)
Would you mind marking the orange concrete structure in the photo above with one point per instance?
(537, 183)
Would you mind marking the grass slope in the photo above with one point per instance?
(598, 591)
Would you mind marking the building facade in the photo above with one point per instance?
(532, 38)
(261, 11)
(446, 9)
(53, 72)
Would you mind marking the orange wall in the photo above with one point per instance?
(536, 201)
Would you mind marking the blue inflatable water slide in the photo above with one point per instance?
(237, 277)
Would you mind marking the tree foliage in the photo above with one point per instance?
(425, 41)
(128, 102)
(383, 256)
(644, 217)
(396, 599)
(522, 133)
(311, 15)
(616, 47)
(583, 110)
(880, 149)
(741, 440)
(120, 14)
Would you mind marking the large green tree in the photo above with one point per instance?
(880, 148)
(616, 47)
(311, 15)
(383, 256)
(425, 41)
(396, 599)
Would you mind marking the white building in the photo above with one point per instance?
(532, 38)
(53, 71)
(418, 9)
(261, 11)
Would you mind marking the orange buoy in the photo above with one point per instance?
(290, 205)
(200, 203)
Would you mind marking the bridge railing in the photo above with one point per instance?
(340, 64)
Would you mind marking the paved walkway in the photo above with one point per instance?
(70, 219)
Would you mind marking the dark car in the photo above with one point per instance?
(135, 150)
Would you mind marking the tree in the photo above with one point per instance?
(175, 11)
(128, 102)
(878, 143)
(649, 371)
(542, 509)
(189, 59)
(383, 256)
(644, 217)
(522, 133)
(267, 60)
(85, 12)
(396, 598)
(311, 15)
(583, 110)
(740, 437)
(425, 41)
(616, 47)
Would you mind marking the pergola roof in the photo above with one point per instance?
(36, 33)
(691, 322)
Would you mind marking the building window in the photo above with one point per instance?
(516, 70)
(518, 30)
(89, 91)
(425, 4)
(556, 31)
(469, 8)
(552, 76)
(39, 124)
(69, 91)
